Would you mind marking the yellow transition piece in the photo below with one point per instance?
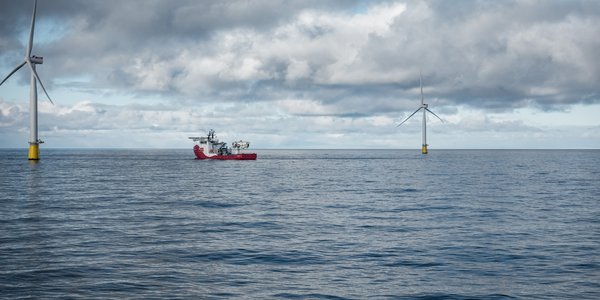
(34, 151)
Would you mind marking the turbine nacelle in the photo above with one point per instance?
(37, 60)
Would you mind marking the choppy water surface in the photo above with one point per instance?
(301, 224)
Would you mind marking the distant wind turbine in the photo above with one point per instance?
(31, 61)
(425, 109)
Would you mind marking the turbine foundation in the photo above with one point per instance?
(424, 149)
(34, 151)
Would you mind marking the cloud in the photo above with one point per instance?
(287, 124)
(490, 55)
(338, 66)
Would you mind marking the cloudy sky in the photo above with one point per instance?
(305, 74)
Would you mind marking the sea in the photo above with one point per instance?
(300, 224)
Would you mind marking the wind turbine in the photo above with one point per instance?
(425, 110)
(31, 61)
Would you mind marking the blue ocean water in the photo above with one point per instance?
(301, 224)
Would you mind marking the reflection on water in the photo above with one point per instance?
(32, 180)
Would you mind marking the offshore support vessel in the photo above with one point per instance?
(209, 147)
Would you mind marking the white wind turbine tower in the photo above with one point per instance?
(31, 61)
(425, 110)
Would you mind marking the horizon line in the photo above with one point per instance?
(377, 149)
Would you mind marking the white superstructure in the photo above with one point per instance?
(211, 146)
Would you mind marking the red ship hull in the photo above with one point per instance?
(242, 156)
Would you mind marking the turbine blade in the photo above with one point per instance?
(13, 72)
(30, 45)
(39, 80)
(421, 84)
(427, 109)
(409, 117)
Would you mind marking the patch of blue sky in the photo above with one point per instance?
(13, 91)
(47, 30)
(574, 115)
(362, 6)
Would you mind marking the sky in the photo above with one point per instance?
(305, 74)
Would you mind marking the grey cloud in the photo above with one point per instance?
(12, 116)
(490, 55)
